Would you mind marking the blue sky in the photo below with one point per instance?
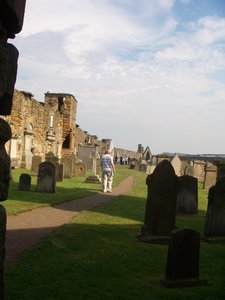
(148, 72)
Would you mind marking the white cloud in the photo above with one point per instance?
(128, 63)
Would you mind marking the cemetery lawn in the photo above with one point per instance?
(68, 189)
(98, 257)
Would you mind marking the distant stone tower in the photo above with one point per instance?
(65, 106)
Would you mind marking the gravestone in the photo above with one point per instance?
(46, 178)
(36, 161)
(214, 230)
(67, 162)
(210, 176)
(187, 195)
(80, 169)
(50, 156)
(189, 170)
(59, 172)
(94, 178)
(182, 267)
(176, 163)
(24, 182)
(160, 213)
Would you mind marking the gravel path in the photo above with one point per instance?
(25, 230)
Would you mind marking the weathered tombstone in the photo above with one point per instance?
(187, 195)
(160, 213)
(46, 178)
(182, 267)
(50, 156)
(67, 162)
(176, 163)
(36, 161)
(143, 167)
(59, 172)
(189, 170)
(24, 182)
(220, 164)
(214, 230)
(94, 178)
(80, 169)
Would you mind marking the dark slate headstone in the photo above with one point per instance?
(25, 182)
(36, 161)
(160, 213)
(215, 217)
(182, 267)
(2, 248)
(187, 195)
(46, 178)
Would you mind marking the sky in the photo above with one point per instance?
(148, 72)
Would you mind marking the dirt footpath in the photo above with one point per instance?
(25, 230)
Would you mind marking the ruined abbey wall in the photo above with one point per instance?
(42, 127)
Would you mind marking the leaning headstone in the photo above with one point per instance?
(24, 182)
(214, 230)
(46, 178)
(160, 213)
(182, 267)
(36, 161)
(187, 195)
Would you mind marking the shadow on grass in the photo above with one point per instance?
(104, 261)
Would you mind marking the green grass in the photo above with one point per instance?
(69, 189)
(98, 257)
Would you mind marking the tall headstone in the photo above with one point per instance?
(46, 178)
(160, 213)
(25, 182)
(182, 267)
(214, 229)
(187, 195)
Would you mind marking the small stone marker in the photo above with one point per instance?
(25, 182)
(182, 267)
(46, 178)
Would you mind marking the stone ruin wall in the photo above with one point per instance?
(44, 127)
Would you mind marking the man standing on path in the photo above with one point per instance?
(108, 170)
